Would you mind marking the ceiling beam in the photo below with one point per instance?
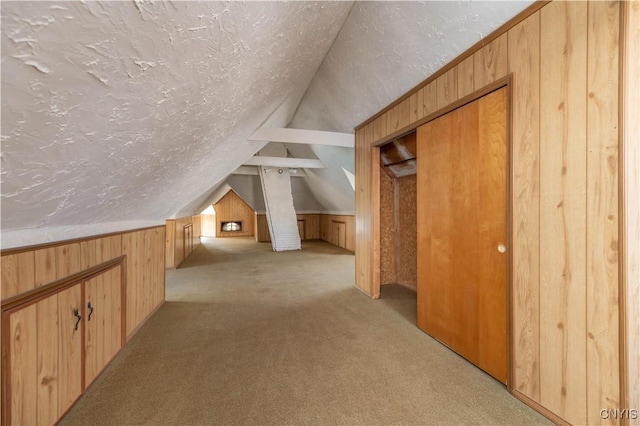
(303, 136)
(298, 163)
(253, 170)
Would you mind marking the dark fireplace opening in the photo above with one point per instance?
(231, 226)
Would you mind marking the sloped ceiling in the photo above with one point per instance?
(122, 114)
(119, 114)
(383, 50)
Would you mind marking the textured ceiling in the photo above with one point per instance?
(119, 114)
(123, 114)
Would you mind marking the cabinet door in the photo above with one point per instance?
(44, 359)
(70, 347)
(103, 321)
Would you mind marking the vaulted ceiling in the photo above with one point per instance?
(117, 115)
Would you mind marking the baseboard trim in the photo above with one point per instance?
(539, 408)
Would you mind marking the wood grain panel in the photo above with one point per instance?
(262, 230)
(311, 226)
(170, 241)
(490, 62)
(329, 233)
(603, 385)
(158, 267)
(562, 210)
(430, 98)
(312, 230)
(54, 380)
(18, 273)
(70, 348)
(115, 250)
(45, 266)
(461, 211)
(103, 325)
(631, 202)
(88, 252)
(493, 302)
(465, 77)
(68, 260)
(130, 248)
(524, 63)
(447, 88)
(561, 173)
(364, 227)
(232, 208)
(23, 371)
(399, 116)
(92, 340)
(47, 360)
(416, 109)
(381, 126)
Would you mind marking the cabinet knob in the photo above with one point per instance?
(502, 248)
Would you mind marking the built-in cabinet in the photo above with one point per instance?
(338, 230)
(57, 342)
(67, 309)
(182, 237)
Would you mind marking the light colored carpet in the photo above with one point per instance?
(252, 337)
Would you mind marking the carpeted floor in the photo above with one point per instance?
(252, 337)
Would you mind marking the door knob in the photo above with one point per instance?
(502, 248)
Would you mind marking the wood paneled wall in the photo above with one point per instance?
(261, 228)
(338, 230)
(26, 269)
(32, 272)
(311, 227)
(564, 61)
(630, 237)
(232, 208)
(182, 237)
(145, 274)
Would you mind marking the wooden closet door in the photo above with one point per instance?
(461, 220)
(103, 313)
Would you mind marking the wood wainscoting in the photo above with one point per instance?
(183, 236)
(67, 309)
(338, 230)
(571, 297)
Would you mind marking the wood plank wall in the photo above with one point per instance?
(311, 227)
(26, 269)
(232, 208)
(564, 59)
(316, 226)
(631, 203)
(177, 244)
(330, 225)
